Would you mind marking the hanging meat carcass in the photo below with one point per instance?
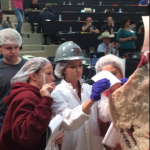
(129, 108)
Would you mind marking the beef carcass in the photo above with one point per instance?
(129, 108)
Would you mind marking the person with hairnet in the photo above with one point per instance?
(10, 64)
(78, 103)
(26, 122)
(114, 65)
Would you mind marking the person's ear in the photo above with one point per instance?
(64, 71)
(33, 77)
(0, 49)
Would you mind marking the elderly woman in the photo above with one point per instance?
(29, 112)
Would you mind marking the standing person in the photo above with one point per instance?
(10, 41)
(88, 27)
(75, 102)
(114, 65)
(110, 27)
(26, 122)
(106, 46)
(34, 5)
(144, 3)
(3, 23)
(126, 38)
(19, 13)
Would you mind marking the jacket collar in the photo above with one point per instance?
(68, 85)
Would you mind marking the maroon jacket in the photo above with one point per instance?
(27, 118)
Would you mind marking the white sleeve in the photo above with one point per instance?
(72, 118)
(103, 112)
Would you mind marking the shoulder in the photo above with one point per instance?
(120, 30)
(104, 25)
(23, 61)
(59, 90)
(87, 87)
(100, 44)
(93, 26)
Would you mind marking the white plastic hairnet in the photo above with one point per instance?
(10, 36)
(29, 67)
(108, 60)
(60, 66)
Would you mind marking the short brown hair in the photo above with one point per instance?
(48, 6)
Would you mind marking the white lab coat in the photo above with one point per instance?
(81, 130)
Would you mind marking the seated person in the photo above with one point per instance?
(141, 29)
(88, 27)
(133, 25)
(106, 46)
(109, 26)
(25, 125)
(34, 5)
(47, 13)
(144, 3)
(3, 23)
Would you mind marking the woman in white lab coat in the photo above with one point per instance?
(79, 104)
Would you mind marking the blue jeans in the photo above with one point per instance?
(1, 121)
(19, 15)
(32, 26)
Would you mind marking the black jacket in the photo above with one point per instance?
(46, 14)
(108, 28)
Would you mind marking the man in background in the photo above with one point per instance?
(34, 5)
(47, 13)
(110, 27)
(106, 46)
(3, 23)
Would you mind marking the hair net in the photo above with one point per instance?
(10, 36)
(60, 66)
(108, 60)
(29, 67)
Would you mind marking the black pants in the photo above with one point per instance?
(123, 51)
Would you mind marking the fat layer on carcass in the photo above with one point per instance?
(129, 108)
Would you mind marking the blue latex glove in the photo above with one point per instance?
(123, 81)
(98, 87)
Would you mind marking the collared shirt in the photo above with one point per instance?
(5, 26)
(102, 48)
(143, 2)
(108, 28)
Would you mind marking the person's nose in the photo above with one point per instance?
(53, 79)
(13, 50)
